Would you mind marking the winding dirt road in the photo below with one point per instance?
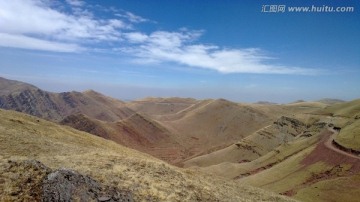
(326, 152)
(329, 144)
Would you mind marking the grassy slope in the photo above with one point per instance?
(323, 179)
(233, 170)
(26, 137)
(347, 109)
(262, 141)
(283, 171)
(350, 111)
(349, 136)
(329, 190)
(253, 146)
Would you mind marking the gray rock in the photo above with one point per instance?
(68, 185)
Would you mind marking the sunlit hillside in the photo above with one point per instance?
(24, 137)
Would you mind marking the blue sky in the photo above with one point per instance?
(202, 49)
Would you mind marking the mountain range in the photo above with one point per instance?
(305, 150)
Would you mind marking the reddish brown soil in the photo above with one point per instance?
(327, 153)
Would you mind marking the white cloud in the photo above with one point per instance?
(20, 41)
(136, 37)
(132, 17)
(77, 3)
(178, 47)
(36, 19)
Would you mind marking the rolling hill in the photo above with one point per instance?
(163, 127)
(315, 161)
(211, 124)
(39, 158)
(305, 150)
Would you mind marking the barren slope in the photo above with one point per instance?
(214, 123)
(137, 132)
(25, 137)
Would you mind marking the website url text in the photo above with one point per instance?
(306, 9)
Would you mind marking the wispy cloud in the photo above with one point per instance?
(40, 22)
(131, 17)
(24, 42)
(180, 47)
(77, 3)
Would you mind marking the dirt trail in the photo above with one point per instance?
(329, 144)
(326, 152)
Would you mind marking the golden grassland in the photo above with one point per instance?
(346, 109)
(25, 137)
(349, 136)
(274, 157)
(332, 190)
(318, 181)
(283, 170)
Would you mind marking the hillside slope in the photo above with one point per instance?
(94, 113)
(259, 143)
(308, 165)
(29, 99)
(24, 137)
(214, 123)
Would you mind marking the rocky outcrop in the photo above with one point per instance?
(33, 181)
(32, 101)
(69, 185)
(284, 121)
(290, 125)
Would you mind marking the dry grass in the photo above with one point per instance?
(25, 137)
(349, 136)
(346, 109)
(329, 190)
(213, 123)
(281, 153)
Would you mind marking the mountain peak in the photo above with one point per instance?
(11, 86)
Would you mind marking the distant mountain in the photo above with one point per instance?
(161, 106)
(265, 103)
(12, 87)
(29, 99)
(297, 101)
(330, 101)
